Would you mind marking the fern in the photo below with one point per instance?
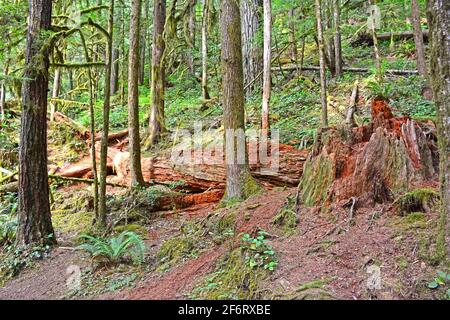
(126, 245)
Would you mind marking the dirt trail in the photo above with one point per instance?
(47, 280)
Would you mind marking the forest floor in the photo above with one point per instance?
(325, 256)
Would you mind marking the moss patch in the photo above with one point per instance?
(233, 279)
(286, 219)
(418, 200)
(75, 223)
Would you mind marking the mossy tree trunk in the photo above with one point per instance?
(240, 184)
(205, 18)
(337, 37)
(439, 21)
(133, 96)
(323, 80)
(35, 225)
(101, 218)
(156, 125)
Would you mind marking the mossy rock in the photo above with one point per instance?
(418, 200)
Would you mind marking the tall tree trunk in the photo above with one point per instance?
(240, 184)
(156, 125)
(439, 22)
(293, 52)
(91, 125)
(267, 78)
(143, 41)
(35, 225)
(3, 94)
(191, 35)
(205, 18)
(133, 96)
(323, 80)
(418, 39)
(327, 25)
(337, 37)
(101, 219)
(251, 50)
(376, 49)
(115, 71)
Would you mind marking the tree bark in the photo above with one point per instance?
(418, 39)
(337, 36)
(133, 96)
(191, 35)
(251, 50)
(205, 18)
(156, 125)
(35, 225)
(101, 219)
(3, 95)
(323, 80)
(115, 71)
(240, 184)
(439, 21)
(143, 41)
(267, 59)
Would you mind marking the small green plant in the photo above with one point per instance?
(126, 245)
(441, 281)
(8, 226)
(258, 252)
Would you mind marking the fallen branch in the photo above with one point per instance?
(348, 69)
(366, 38)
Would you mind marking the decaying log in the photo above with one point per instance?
(113, 136)
(366, 38)
(81, 131)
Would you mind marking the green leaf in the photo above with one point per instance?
(433, 285)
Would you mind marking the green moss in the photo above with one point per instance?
(66, 222)
(131, 227)
(185, 246)
(286, 220)
(250, 188)
(233, 279)
(418, 200)
(402, 262)
(313, 290)
(221, 227)
(316, 179)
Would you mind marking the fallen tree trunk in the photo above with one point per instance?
(366, 38)
(81, 131)
(348, 69)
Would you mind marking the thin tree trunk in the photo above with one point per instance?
(92, 126)
(267, 78)
(55, 92)
(143, 41)
(323, 80)
(293, 52)
(156, 124)
(115, 71)
(3, 95)
(327, 25)
(35, 225)
(418, 39)
(133, 96)
(251, 50)
(439, 21)
(376, 49)
(101, 219)
(240, 184)
(337, 37)
(205, 17)
(191, 35)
